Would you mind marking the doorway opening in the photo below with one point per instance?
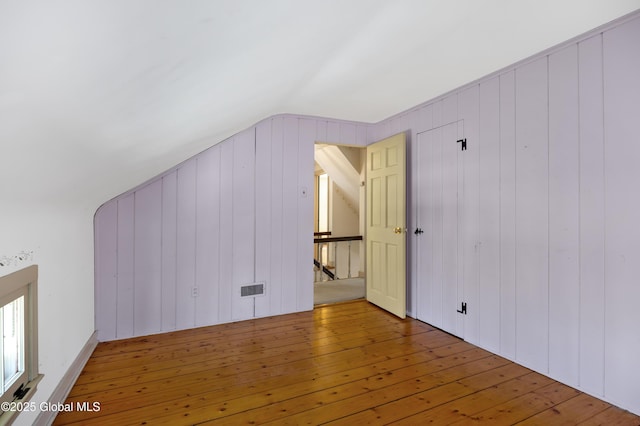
(339, 220)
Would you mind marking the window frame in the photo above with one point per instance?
(23, 283)
(24, 376)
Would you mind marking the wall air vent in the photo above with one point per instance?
(251, 290)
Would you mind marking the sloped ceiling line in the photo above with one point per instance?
(96, 97)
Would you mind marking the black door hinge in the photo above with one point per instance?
(464, 309)
(464, 143)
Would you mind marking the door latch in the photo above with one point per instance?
(418, 231)
(464, 144)
(464, 309)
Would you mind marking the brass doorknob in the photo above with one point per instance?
(397, 230)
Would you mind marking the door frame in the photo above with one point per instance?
(361, 204)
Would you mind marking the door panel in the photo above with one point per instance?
(434, 237)
(440, 193)
(386, 225)
(451, 200)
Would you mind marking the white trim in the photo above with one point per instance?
(61, 391)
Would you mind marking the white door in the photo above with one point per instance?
(386, 225)
(439, 192)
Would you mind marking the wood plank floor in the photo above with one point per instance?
(346, 364)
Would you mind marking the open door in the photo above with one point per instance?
(386, 225)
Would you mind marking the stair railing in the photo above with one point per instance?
(323, 241)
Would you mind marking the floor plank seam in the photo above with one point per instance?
(339, 364)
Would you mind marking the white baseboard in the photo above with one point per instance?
(61, 391)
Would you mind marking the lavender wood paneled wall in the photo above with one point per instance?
(547, 245)
(621, 84)
(536, 228)
(173, 253)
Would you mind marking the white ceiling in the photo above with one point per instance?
(97, 96)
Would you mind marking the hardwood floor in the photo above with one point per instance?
(349, 363)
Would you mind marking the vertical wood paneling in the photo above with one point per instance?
(410, 292)
(196, 240)
(361, 134)
(541, 189)
(169, 251)
(421, 169)
(333, 130)
(382, 130)
(263, 217)
(425, 119)
(532, 225)
(126, 262)
(400, 124)
(412, 156)
(243, 222)
(347, 132)
(207, 230)
(372, 134)
(489, 215)
(106, 234)
(321, 130)
(545, 212)
(437, 218)
(435, 211)
(564, 216)
(226, 229)
(437, 118)
(449, 109)
(622, 245)
(468, 110)
(186, 245)
(305, 163)
(591, 217)
(451, 200)
(423, 253)
(147, 253)
(276, 288)
(458, 133)
(290, 213)
(508, 215)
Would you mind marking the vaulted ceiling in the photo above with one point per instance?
(97, 96)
